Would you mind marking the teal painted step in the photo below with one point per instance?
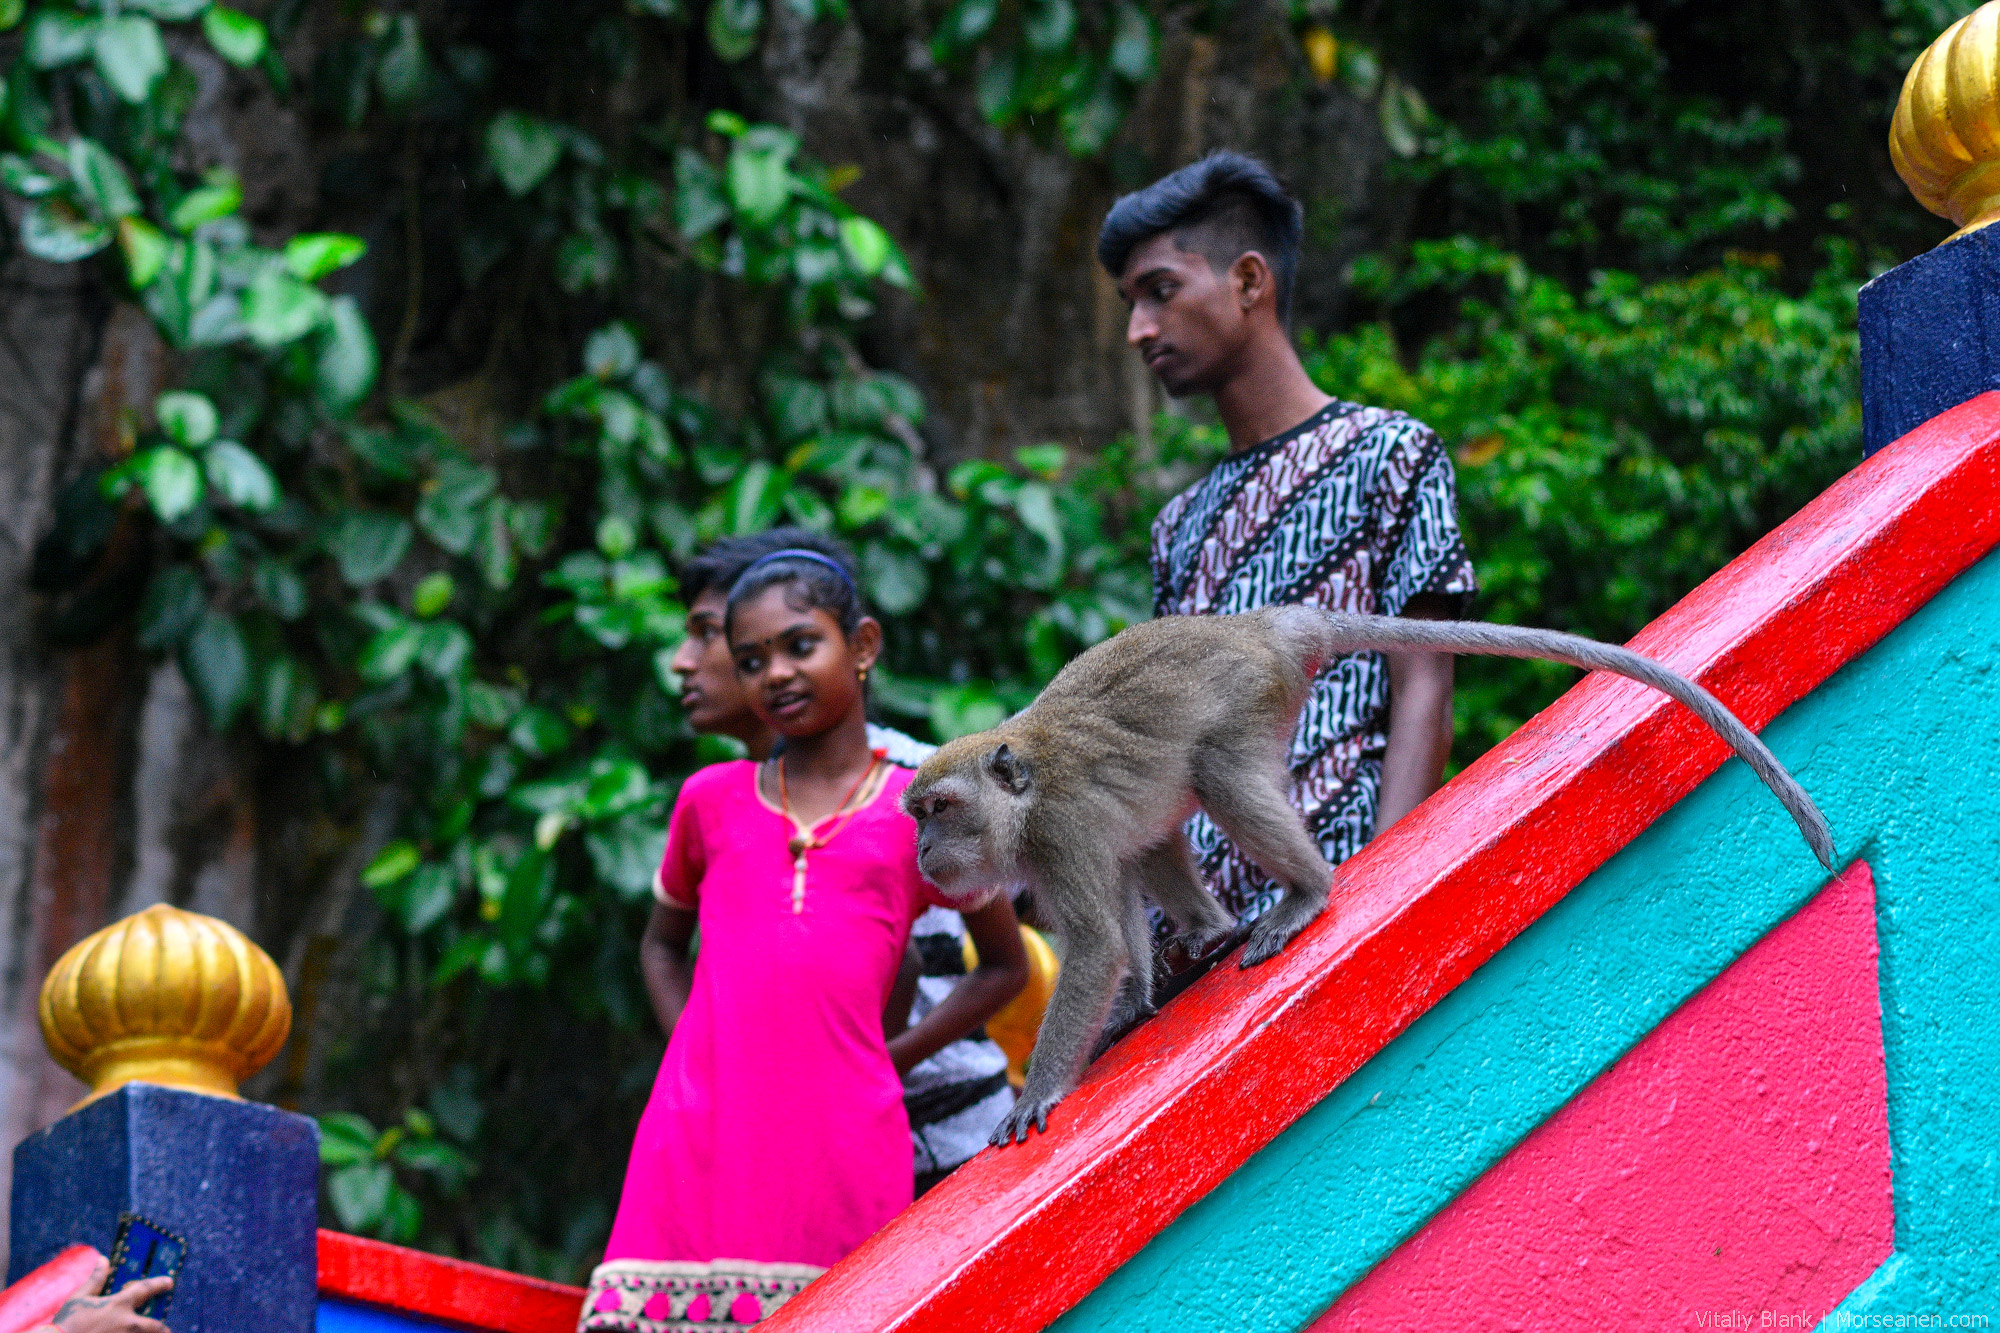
(1901, 749)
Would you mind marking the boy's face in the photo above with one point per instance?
(711, 698)
(1187, 321)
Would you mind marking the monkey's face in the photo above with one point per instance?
(969, 800)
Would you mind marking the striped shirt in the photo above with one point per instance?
(1354, 509)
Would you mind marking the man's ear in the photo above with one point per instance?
(1251, 280)
(1010, 770)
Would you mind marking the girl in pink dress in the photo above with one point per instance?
(775, 1140)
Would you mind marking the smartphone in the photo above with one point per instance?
(142, 1250)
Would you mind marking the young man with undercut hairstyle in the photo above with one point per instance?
(1319, 501)
(956, 1097)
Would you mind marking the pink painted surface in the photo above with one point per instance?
(1735, 1162)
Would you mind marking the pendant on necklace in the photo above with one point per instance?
(799, 845)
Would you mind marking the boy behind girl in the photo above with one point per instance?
(958, 1095)
(1318, 502)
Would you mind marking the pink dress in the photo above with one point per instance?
(775, 1140)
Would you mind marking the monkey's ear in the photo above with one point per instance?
(1009, 769)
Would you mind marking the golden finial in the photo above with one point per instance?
(166, 997)
(1945, 139)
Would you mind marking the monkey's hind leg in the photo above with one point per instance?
(1173, 882)
(1245, 795)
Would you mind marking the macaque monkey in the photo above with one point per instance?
(1082, 795)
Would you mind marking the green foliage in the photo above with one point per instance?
(187, 418)
(522, 150)
(239, 39)
(1066, 71)
(1590, 150)
(375, 1178)
(1638, 385)
(1616, 446)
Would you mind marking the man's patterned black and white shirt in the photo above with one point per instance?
(1353, 510)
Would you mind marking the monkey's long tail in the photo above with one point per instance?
(1342, 633)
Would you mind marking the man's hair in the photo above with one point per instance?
(1219, 208)
(723, 562)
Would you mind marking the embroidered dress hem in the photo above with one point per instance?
(664, 1296)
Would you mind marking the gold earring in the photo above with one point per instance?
(863, 674)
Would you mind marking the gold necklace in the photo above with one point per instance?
(803, 839)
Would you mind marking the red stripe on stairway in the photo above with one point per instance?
(450, 1291)
(1019, 1235)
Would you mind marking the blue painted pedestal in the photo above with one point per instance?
(1930, 336)
(238, 1180)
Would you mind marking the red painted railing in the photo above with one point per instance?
(1019, 1235)
(449, 1291)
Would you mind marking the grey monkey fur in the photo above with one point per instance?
(1082, 795)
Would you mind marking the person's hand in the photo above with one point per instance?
(87, 1312)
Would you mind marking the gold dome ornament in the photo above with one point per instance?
(1945, 138)
(166, 997)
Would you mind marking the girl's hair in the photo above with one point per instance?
(816, 578)
(723, 561)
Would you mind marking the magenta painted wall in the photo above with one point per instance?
(1732, 1170)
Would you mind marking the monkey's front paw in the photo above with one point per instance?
(1027, 1112)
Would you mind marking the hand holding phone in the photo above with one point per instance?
(143, 1250)
(89, 1312)
(129, 1292)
